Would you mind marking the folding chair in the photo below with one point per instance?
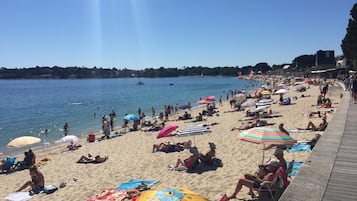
(9, 165)
(276, 187)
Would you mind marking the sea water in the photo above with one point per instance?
(29, 107)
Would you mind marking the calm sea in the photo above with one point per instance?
(28, 107)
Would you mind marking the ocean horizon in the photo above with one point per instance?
(29, 107)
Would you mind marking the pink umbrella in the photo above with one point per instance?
(211, 98)
(166, 131)
(204, 101)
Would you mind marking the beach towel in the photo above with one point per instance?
(135, 183)
(18, 196)
(296, 167)
(300, 147)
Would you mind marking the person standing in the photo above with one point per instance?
(65, 129)
(111, 121)
(354, 88)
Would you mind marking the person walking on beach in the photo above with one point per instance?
(65, 129)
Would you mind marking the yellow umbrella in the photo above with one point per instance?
(265, 92)
(23, 141)
(169, 194)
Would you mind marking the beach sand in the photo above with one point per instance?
(131, 157)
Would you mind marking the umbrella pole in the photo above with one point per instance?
(263, 154)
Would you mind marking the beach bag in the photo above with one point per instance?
(91, 137)
(50, 189)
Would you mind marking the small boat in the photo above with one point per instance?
(140, 83)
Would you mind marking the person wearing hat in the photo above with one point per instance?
(255, 181)
(208, 157)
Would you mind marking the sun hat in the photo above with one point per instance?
(194, 150)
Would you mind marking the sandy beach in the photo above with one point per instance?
(131, 157)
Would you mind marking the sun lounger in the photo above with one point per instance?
(193, 130)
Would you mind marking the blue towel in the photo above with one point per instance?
(296, 167)
(300, 147)
(134, 183)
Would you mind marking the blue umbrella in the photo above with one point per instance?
(131, 117)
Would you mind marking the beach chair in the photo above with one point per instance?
(9, 165)
(276, 187)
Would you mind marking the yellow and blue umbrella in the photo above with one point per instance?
(170, 194)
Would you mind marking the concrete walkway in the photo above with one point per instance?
(330, 172)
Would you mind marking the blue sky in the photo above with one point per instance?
(171, 33)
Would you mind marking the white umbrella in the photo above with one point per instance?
(23, 141)
(282, 91)
(69, 138)
(248, 104)
(260, 109)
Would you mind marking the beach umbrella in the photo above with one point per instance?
(170, 194)
(299, 86)
(23, 141)
(260, 109)
(205, 101)
(248, 104)
(165, 132)
(282, 91)
(131, 117)
(266, 135)
(211, 98)
(240, 95)
(69, 138)
(265, 92)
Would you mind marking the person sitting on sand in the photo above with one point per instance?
(188, 163)
(208, 157)
(91, 159)
(37, 182)
(26, 163)
(327, 103)
(255, 181)
(313, 141)
(185, 116)
(311, 126)
(73, 146)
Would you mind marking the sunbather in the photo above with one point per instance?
(73, 146)
(255, 181)
(37, 182)
(208, 157)
(188, 163)
(313, 141)
(311, 126)
(91, 159)
(26, 163)
(167, 147)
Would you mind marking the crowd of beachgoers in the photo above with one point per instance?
(211, 150)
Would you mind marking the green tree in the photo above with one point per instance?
(349, 43)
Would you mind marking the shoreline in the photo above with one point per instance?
(130, 156)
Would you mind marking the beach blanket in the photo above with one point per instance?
(300, 147)
(201, 167)
(296, 167)
(135, 183)
(18, 196)
(193, 130)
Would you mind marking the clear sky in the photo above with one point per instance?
(140, 34)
